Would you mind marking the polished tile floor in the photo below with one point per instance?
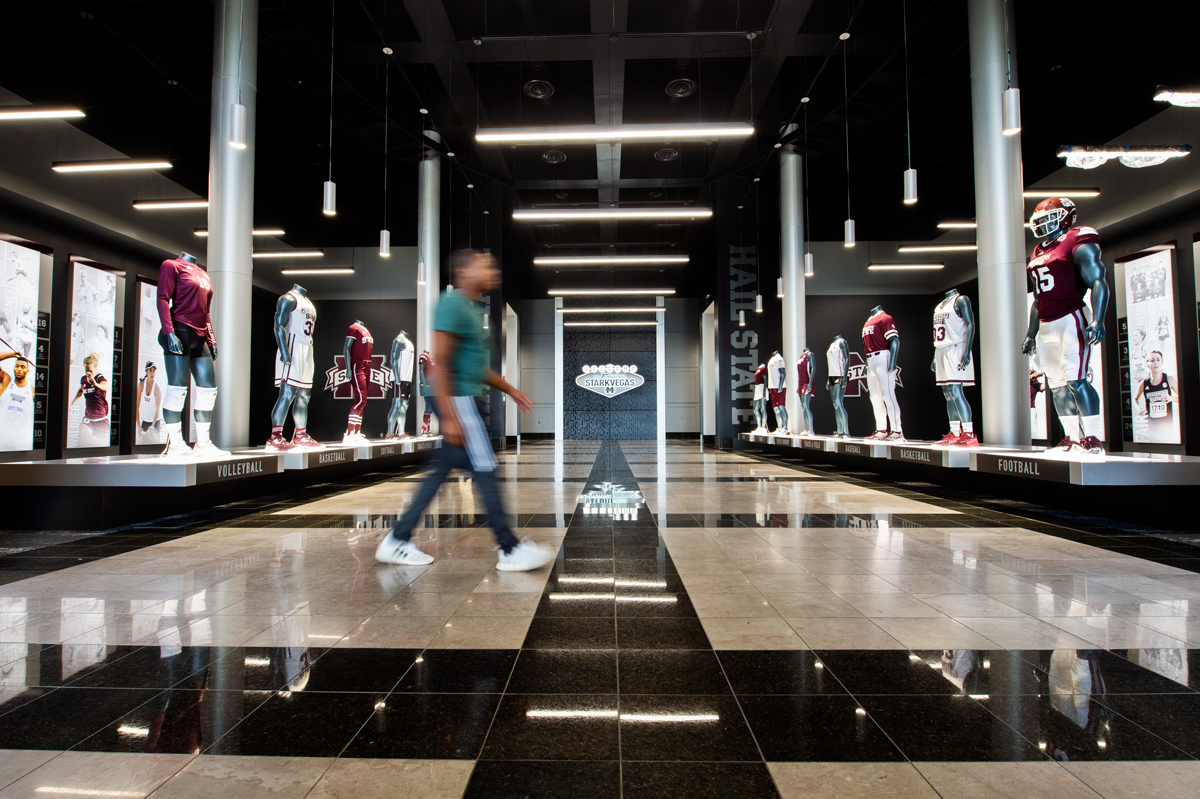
(715, 625)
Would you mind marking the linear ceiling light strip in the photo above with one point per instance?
(597, 133)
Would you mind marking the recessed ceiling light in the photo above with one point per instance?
(897, 267)
(39, 113)
(325, 271)
(289, 254)
(681, 87)
(940, 248)
(266, 231)
(538, 89)
(109, 166)
(667, 154)
(554, 156)
(613, 213)
(600, 260)
(531, 135)
(169, 205)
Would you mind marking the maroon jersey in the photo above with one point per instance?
(1053, 276)
(360, 347)
(760, 375)
(877, 331)
(184, 297)
(95, 398)
(803, 375)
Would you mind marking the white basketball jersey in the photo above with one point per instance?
(16, 416)
(835, 359)
(303, 319)
(776, 368)
(408, 354)
(948, 327)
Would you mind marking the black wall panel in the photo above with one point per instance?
(632, 415)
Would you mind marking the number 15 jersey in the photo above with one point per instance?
(1053, 277)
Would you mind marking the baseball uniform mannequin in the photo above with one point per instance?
(760, 399)
(1064, 266)
(804, 388)
(357, 354)
(295, 320)
(777, 389)
(953, 335)
(881, 342)
(837, 358)
(403, 357)
(189, 349)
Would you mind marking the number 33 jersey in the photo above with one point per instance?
(1053, 276)
(298, 371)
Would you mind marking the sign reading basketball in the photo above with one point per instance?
(609, 380)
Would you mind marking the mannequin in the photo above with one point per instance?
(760, 400)
(189, 349)
(953, 335)
(1064, 266)
(881, 341)
(777, 389)
(357, 354)
(837, 358)
(426, 374)
(402, 373)
(295, 320)
(804, 387)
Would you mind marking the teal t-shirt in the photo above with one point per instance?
(463, 319)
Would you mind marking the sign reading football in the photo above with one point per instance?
(609, 380)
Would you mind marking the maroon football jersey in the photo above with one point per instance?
(876, 332)
(760, 375)
(1053, 276)
(95, 398)
(360, 347)
(184, 297)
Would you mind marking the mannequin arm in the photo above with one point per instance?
(1087, 258)
(283, 310)
(963, 307)
(893, 352)
(1030, 345)
(346, 353)
(845, 354)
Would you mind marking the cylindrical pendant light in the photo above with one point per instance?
(758, 306)
(849, 239)
(741, 318)
(1011, 111)
(910, 186)
(237, 126)
(849, 236)
(385, 244)
(329, 202)
(809, 271)
(779, 287)
(420, 273)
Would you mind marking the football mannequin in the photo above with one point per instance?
(881, 341)
(804, 387)
(837, 358)
(189, 349)
(357, 354)
(1064, 266)
(777, 389)
(953, 335)
(295, 320)
(760, 399)
(403, 353)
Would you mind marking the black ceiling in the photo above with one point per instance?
(142, 69)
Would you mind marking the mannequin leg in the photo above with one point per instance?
(875, 389)
(300, 408)
(287, 395)
(888, 384)
(962, 407)
(759, 424)
(1088, 402)
(178, 372)
(1067, 409)
(805, 400)
(203, 402)
(781, 419)
(393, 419)
(837, 392)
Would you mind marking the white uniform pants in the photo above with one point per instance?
(882, 385)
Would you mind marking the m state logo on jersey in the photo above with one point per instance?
(856, 377)
(379, 379)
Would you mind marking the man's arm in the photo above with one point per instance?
(5, 380)
(1091, 269)
(524, 404)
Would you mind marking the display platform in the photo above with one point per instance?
(925, 453)
(814, 443)
(1114, 469)
(147, 471)
(390, 448)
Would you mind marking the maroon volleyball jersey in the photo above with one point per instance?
(804, 377)
(95, 398)
(184, 298)
(360, 346)
(1053, 277)
(760, 375)
(876, 332)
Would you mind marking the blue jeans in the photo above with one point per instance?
(443, 461)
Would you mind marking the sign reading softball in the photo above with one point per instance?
(609, 380)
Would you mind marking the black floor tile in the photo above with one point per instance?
(587, 567)
(501, 779)
(658, 605)
(787, 672)
(638, 633)
(816, 729)
(632, 564)
(649, 585)
(570, 551)
(61, 718)
(554, 727)
(565, 671)
(576, 601)
(709, 728)
(943, 727)
(146, 667)
(672, 671)
(467, 671)
(561, 633)
(13, 696)
(1115, 673)
(352, 670)
(426, 726)
(691, 780)
(292, 724)
(176, 722)
(884, 672)
(1173, 717)
(264, 668)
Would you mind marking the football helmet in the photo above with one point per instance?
(1052, 215)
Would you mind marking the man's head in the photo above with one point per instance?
(90, 362)
(474, 272)
(26, 308)
(21, 370)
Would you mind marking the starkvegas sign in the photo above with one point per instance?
(609, 380)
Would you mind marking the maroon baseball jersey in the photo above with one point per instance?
(804, 376)
(95, 398)
(360, 347)
(1053, 276)
(760, 375)
(184, 297)
(876, 332)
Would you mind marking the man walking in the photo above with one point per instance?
(461, 350)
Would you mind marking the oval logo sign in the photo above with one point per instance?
(609, 380)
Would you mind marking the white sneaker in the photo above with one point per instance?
(355, 440)
(400, 553)
(207, 449)
(176, 449)
(526, 557)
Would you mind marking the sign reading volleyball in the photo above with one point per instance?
(609, 380)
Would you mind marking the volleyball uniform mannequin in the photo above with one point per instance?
(804, 388)
(403, 359)
(837, 359)
(760, 399)
(777, 389)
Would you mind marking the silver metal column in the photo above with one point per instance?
(1004, 371)
(231, 215)
(660, 367)
(791, 268)
(429, 248)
